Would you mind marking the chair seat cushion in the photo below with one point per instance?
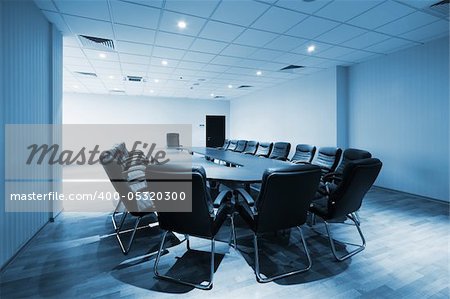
(320, 207)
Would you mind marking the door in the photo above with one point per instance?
(215, 130)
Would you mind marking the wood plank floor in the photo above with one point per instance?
(407, 256)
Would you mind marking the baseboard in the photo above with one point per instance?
(414, 195)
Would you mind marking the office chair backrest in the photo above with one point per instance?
(285, 196)
(198, 222)
(240, 146)
(232, 145)
(352, 154)
(226, 142)
(358, 177)
(173, 139)
(251, 147)
(327, 158)
(304, 153)
(280, 150)
(264, 149)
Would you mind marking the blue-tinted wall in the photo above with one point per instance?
(29, 75)
(399, 110)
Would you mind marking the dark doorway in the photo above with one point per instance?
(215, 130)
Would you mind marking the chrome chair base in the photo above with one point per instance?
(358, 249)
(261, 279)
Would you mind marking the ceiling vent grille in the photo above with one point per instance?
(96, 43)
(219, 97)
(292, 68)
(86, 74)
(244, 86)
(439, 9)
(117, 91)
(134, 79)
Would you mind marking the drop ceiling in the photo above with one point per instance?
(226, 43)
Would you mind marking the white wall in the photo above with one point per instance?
(298, 111)
(29, 49)
(399, 110)
(81, 108)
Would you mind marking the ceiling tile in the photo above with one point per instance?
(389, 45)
(105, 64)
(266, 54)
(73, 52)
(419, 3)
(168, 53)
(285, 19)
(158, 62)
(365, 40)
(335, 52)
(199, 8)
(428, 32)
(272, 66)
(343, 10)
(256, 38)
(241, 13)
(221, 31)
(198, 57)
(153, 3)
(70, 41)
(133, 48)
(308, 7)
(96, 9)
(134, 34)
(408, 23)
(250, 63)
(191, 65)
(107, 56)
(312, 27)
(340, 34)
(142, 16)
(285, 43)
(74, 61)
(356, 56)
(207, 46)
(89, 27)
(225, 60)
(173, 40)
(381, 14)
(289, 58)
(215, 68)
(239, 51)
(130, 69)
(169, 22)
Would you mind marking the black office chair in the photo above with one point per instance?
(125, 182)
(283, 203)
(350, 154)
(280, 151)
(232, 145)
(327, 159)
(173, 140)
(251, 147)
(226, 142)
(264, 149)
(346, 199)
(203, 221)
(304, 153)
(240, 146)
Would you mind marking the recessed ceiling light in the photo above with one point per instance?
(212, 95)
(164, 62)
(156, 80)
(181, 24)
(311, 48)
(258, 73)
(75, 86)
(230, 86)
(111, 77)
(102, 55)
(152, 91)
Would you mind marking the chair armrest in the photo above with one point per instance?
(221, 196)
(332, 176)
(248, 198)
(246, 211)
(280, 158)
(300, 162)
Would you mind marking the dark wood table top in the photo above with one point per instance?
(249, 168)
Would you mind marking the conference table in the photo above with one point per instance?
(232, 166)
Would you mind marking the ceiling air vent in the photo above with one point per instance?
(134, 79)
(117, 91)
(86, 74)
(219, 97)
(244, 86)
(96, 43)
(292, 68)
(439, 9)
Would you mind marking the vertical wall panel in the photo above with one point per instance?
(399, 110)
(26, 99)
